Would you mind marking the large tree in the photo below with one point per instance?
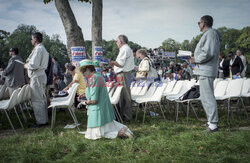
(96, 24)
(73, 31)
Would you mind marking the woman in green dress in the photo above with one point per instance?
(101, 119)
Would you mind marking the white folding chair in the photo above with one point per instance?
(115, 99)
(155, 98)
(68, 103)
(6, 105)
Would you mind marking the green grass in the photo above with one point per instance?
(155, 141)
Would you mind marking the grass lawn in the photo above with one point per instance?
(155, 141)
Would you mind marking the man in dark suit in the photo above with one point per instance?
(14, 73)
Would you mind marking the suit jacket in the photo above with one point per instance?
(225, 67)
(237, 66)
(206, 54)
(14, 73)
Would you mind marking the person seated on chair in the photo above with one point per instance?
(101, 118)
(77, 78)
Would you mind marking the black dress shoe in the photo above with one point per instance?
(211, 131)
(39, 125)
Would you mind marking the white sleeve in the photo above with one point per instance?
(121, 59)
(35, 60)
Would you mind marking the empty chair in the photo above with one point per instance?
(9, 104)
(155, 98)
(246, 88)
(115, 99)
(68, 103)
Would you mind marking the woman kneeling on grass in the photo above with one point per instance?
(101, 118)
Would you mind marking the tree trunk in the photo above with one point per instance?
(73, 31)
(96, 24)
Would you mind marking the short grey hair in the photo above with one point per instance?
(143, 52)
(123, 39)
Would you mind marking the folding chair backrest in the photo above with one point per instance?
(72, 94)
(246, 87)
(151, 90)
(13, 98)
(137, 88)
(111, 92)
(220, 88)
(216, 81)
(169, 87)
(117, 94)
(145, 87)
(20, 94)
(186, 86)
(234, 88)
(159, 90)
(177, 87)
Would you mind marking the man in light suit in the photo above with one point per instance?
(206, 58)
(36, 64)
(14, 73)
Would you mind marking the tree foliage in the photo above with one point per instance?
(20, 38)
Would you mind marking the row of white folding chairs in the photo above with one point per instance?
(17, 98)
(148, 92)
(225, 90)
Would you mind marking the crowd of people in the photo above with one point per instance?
(44, 74)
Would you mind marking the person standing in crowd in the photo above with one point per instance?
(14, 72)
(244, 61)
(67, 76)
(206, 59)
(236, 65)
(36, 64)
(144, 65)
(77, 78)
(187, 71)
(123, 66)
(223, 66)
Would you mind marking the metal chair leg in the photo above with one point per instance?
(118, 114)
(74, 118)
(18, 118)
(27, 109)
(243, 105)
(144, 113)
(187, 112)
(24, 117)
(162, 111)
(10, 122)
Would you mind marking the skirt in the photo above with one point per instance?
(109, 130)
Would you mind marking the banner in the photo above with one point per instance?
(78, 54)
(169, 54)
(98, 53)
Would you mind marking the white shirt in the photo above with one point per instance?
(125, 58)
(37, 61)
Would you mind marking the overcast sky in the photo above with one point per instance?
(146, 22)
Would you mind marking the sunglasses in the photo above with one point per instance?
(199, 23)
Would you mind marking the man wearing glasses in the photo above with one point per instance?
(36, 64)
(206, 58)
(14, 72)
